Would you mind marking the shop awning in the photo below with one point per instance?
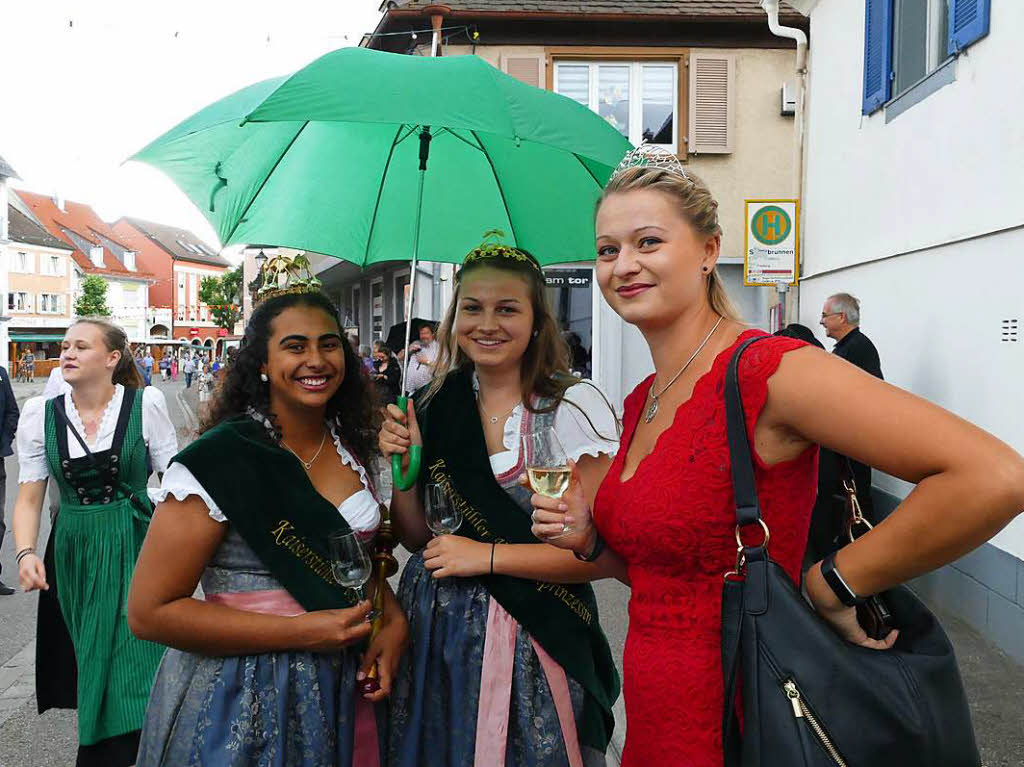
(21, 337)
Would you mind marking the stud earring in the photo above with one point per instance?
(263, 377)
(704, 269)
(536, 333)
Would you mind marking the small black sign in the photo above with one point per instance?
(568, 278)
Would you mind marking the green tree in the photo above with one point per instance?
(92, 301)
(223, 295)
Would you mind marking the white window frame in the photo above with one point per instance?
(354, 301)
(96, 256)
(19, 268)
(376, 281)
(129, 261)
(399, 295)
(636, 102)
(49, 303)
(45, 259)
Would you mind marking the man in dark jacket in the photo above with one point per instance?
(841, 319)
(8, 426)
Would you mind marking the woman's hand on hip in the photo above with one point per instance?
(553, 516)
(453, 555)
(386, 650)
(331, 630)
(32, 573)
(399, 431)
(843, 619)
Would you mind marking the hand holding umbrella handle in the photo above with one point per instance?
(406, 480)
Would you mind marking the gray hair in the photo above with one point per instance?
(844, 303)
(364, 350)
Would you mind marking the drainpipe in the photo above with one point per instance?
(771, 7)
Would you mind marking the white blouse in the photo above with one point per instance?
(157, 430)
(578, 436)
(361, 509)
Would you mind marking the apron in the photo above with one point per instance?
(96, 544)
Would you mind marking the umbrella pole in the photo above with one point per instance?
(405, 480)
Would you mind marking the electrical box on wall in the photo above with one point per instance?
(788, 99)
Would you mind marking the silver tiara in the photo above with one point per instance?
(652, 156)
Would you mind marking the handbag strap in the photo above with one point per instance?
(748, 511)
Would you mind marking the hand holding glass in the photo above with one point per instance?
(442, 516)
(547, 466)
(351, 565)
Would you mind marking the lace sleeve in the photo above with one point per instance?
(180, 483)
(585, 423)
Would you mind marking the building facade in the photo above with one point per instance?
(39, 291)
(702, 79)
(914, 203)
(180, 261)
(6, 173)
(97, 250)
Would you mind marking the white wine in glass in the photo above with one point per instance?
(547, 466)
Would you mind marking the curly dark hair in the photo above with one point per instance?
(353, 410)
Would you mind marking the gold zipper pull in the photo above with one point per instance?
(794, 698)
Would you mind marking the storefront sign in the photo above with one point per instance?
(193, 331)
(770, 242)
(568, 278)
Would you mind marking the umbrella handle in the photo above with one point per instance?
(405, 481)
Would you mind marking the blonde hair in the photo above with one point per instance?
(695, 203)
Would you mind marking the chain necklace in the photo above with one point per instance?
(493, 418)
(653, 409)
(309, 464)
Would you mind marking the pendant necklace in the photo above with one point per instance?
(309, 464)
(653, 409)
(493, 418)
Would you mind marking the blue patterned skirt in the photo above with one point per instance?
(436, 695)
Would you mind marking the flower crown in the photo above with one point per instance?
(651, 156)
(282, 275)
(490, 248)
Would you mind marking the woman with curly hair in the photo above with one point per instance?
(264, 669)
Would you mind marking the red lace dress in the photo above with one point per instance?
(673, 523)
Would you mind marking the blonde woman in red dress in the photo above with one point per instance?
(665, 509)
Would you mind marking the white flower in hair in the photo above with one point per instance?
(652, 156)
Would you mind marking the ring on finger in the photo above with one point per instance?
(533, 517)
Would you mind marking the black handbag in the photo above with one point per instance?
(810, 698)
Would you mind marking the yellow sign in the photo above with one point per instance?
(771, 240)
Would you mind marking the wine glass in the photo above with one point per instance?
(547, 466)
(351, 565)
(442, 516)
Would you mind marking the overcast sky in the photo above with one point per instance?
(86, 83)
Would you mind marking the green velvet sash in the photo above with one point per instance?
(562, 618)
(266, 495)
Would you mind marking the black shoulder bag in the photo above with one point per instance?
(810, 698)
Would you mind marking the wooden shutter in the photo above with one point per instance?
(968, 22)
(877, 54)
(712, 96)
(524, 68)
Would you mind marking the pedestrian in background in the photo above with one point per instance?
(840, 316)
(385, 373)
(174, 366)
(205, 383)
(189, 369)
(101, 472)
(420, 359)
(8, 427)
(366, 357)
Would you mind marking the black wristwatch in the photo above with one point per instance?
(598, 548)
(835, 581)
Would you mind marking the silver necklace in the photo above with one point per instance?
(653, 409)
(309, 464)
(493, 418)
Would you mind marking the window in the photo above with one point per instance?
(52, 266)
(906, 40)
(49, 303)
(18, 302)
(129, 260)
(376, 310)
(640, 99)
(401, 296)
(96, 256)
(22, 262)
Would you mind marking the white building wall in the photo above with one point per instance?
(922, 218)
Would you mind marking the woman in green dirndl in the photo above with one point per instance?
(98, 442)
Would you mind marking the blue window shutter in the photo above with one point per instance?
(968, 22)
(877, 54)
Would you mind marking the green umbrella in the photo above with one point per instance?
(333, 160)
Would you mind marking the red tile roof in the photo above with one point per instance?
(84, 222)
